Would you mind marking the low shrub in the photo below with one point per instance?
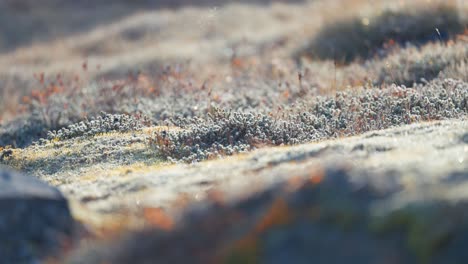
(225, 133)
(348, 40)
(104, 123)
(411, 66)
(346, 113)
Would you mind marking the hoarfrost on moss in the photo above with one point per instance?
(347, 113)
(101, 124)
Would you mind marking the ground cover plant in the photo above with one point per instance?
(172, 93)
(346, 114)
(364, 37)
(162, 103)
(102, 124)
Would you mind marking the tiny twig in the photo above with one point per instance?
(299, 77)
(438, 33)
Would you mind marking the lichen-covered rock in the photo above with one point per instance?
(391, 196)
(330, 219)
(34, 218)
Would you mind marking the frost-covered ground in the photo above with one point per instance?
(123, 175)
(342, 120)
(396, 195)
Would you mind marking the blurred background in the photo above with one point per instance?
(117, 37)
(28, 21)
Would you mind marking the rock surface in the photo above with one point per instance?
(34, 218)
(391, 196)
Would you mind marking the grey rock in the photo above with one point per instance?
(34, 218)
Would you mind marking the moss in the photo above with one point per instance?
(63, 155)
(105, 123)
(226, 132)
